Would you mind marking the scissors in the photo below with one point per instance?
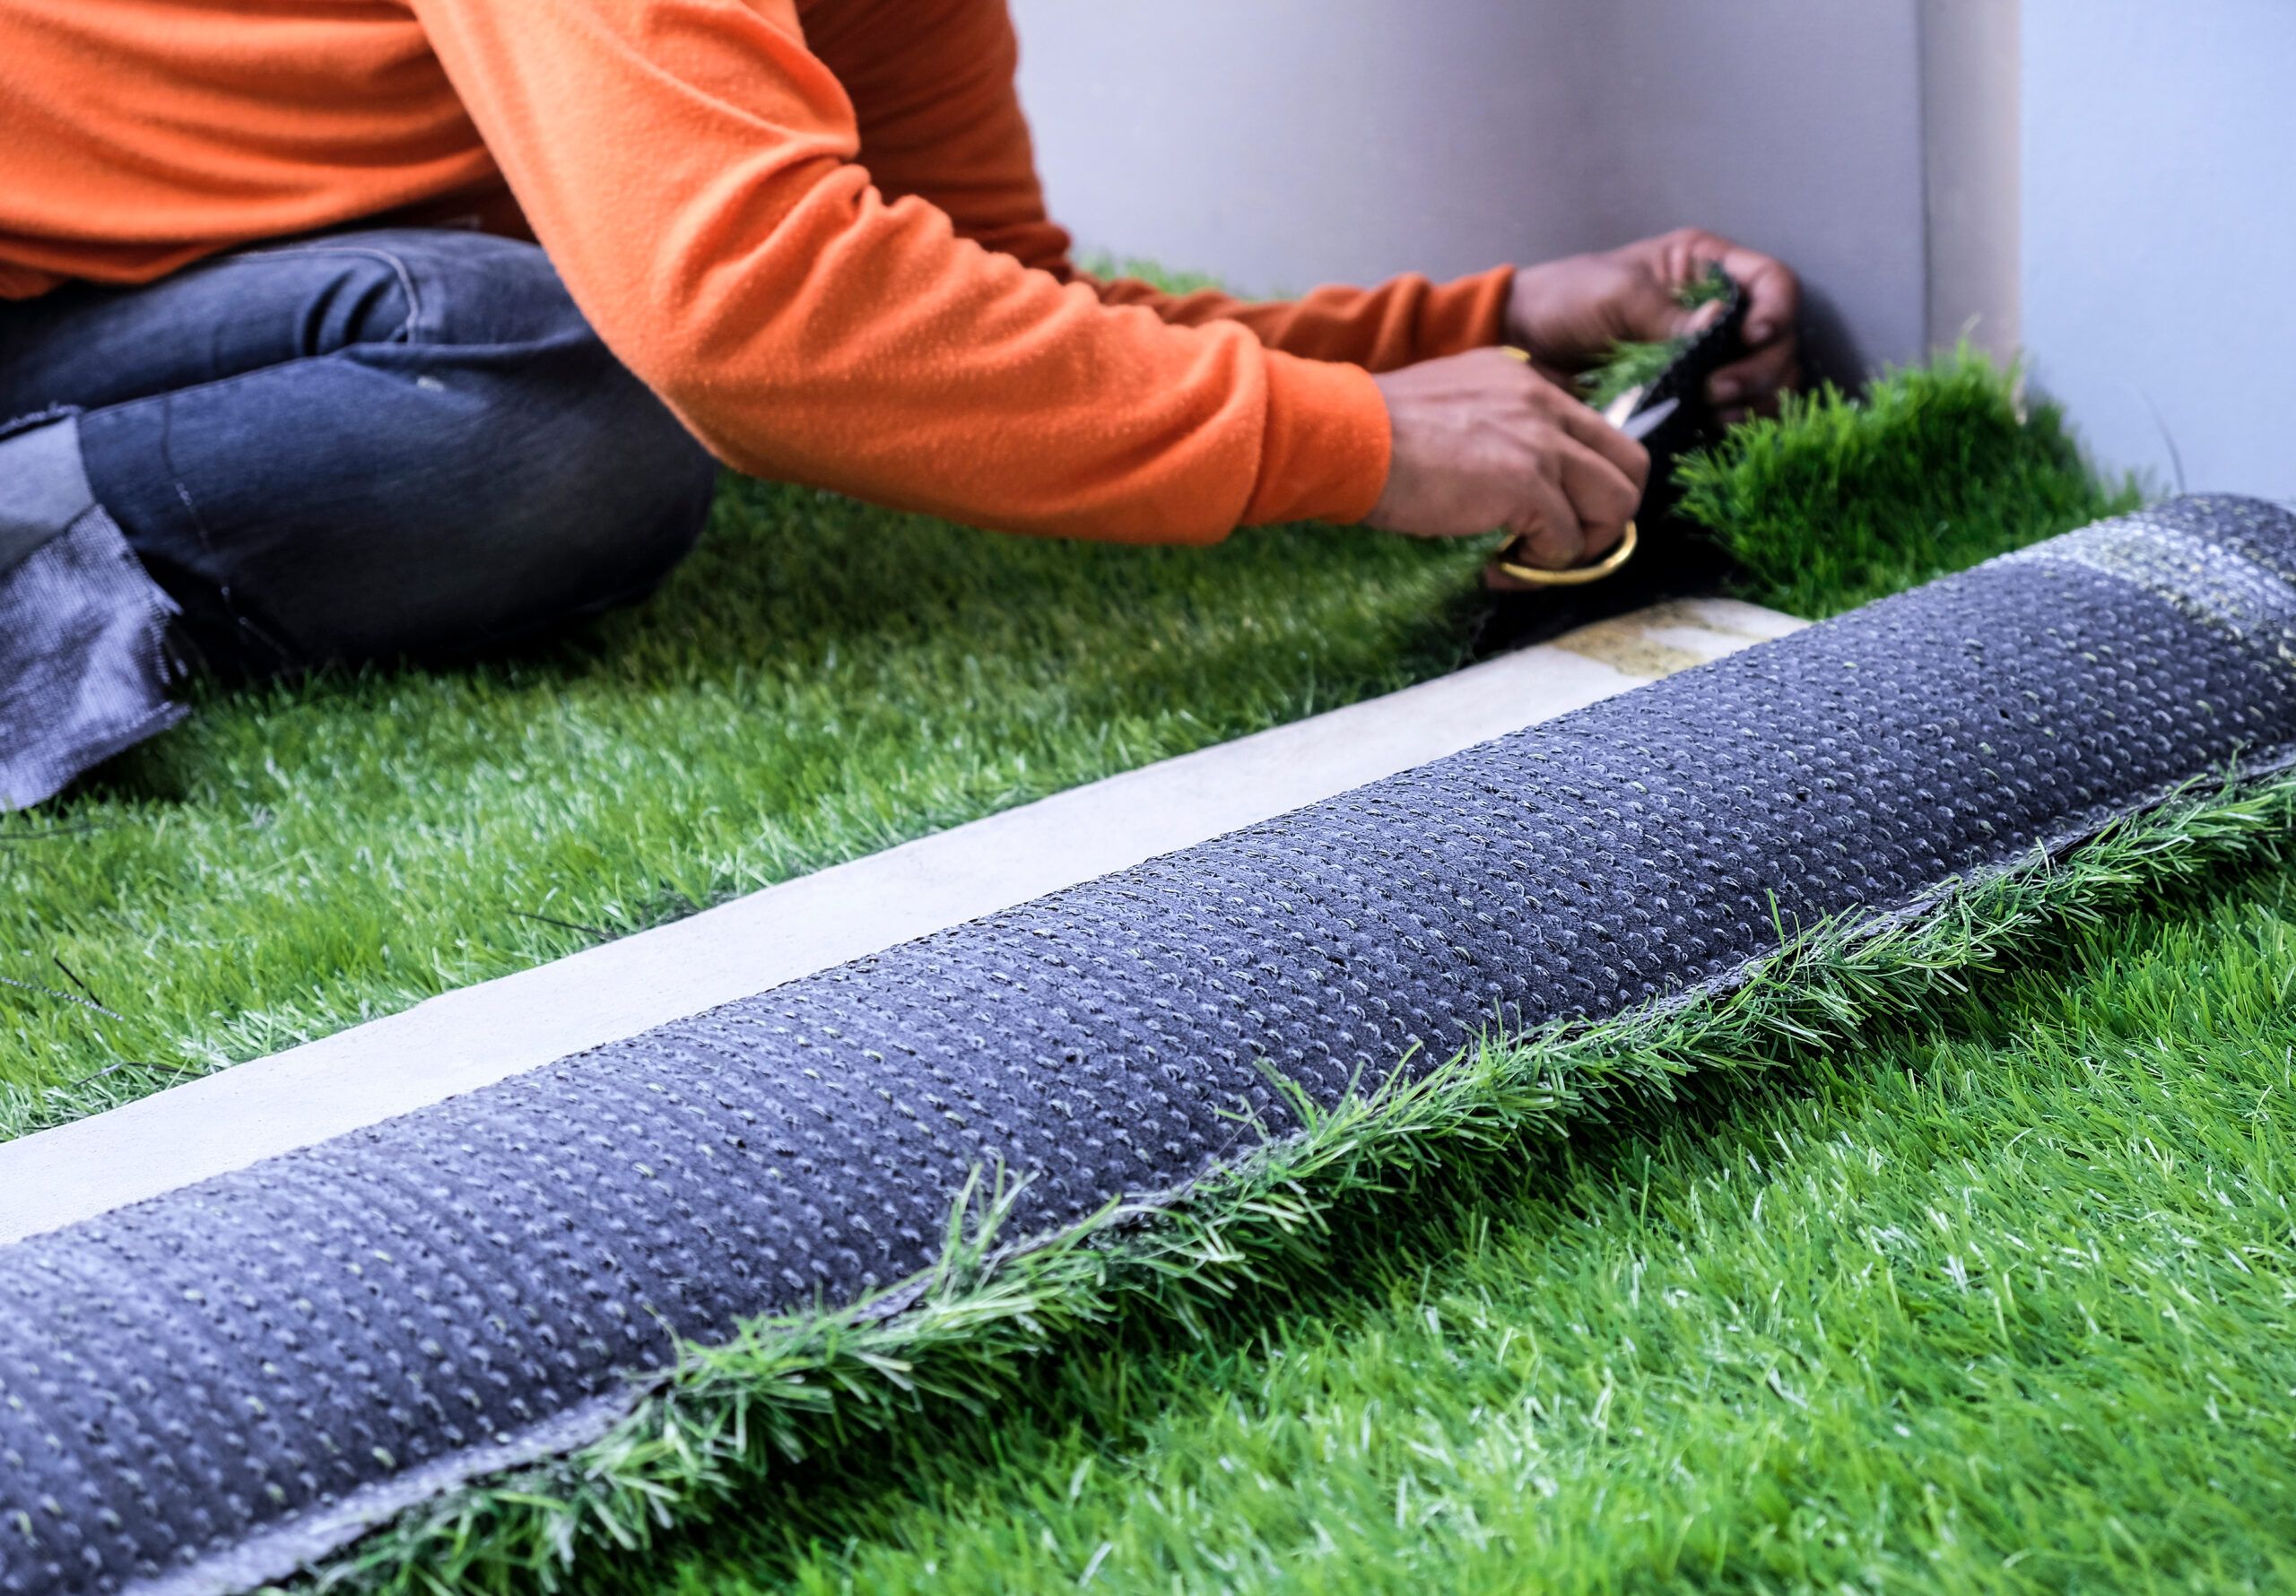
(1642, 412)
(1624, 412)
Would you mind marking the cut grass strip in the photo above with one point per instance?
(820, 680)
(1839, 501)
(1635, 364)
(965, 1337)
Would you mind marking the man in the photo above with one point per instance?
(285, 381)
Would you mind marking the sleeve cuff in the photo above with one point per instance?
(1324, 455)
(1469, 313)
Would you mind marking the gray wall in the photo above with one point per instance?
(1281, 144)
(2110, 184)
(2159, 232)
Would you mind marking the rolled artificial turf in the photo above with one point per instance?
(1983, 1285)
(492, 1556)
(348, 1329)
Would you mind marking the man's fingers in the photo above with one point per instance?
(1580, 516)
(1604, 497)
(1653, 312)
(1773, 294)
(1586, 426)
(1705, 315)
(1546, 529)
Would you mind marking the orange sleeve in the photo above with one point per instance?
(690, 165)
(1402, 320)
(931, 85)
(940, 118)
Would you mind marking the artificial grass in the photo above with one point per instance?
(825, 679)
(820, 680)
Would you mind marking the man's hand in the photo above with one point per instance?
(1568, 314)
(1482, 441)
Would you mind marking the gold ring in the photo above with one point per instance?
(1577, 574)
(1572, 576)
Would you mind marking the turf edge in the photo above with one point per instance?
(719, 1417)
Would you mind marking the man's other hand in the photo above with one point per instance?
(1568, 313)
(1483, 441)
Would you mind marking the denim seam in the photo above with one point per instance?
(198, 522)
(166, 403)
(414, 320)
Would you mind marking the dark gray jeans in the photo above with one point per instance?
(365, 446)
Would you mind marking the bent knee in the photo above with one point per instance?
(635, 505)
(420, 286)
(612, 494)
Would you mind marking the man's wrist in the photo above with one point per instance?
(1530, 311)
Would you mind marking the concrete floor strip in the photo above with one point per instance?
(469, 1038)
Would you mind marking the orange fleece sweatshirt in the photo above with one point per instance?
(814, 228)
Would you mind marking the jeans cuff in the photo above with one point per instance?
(85, 661)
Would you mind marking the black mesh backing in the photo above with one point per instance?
(197, 1391)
